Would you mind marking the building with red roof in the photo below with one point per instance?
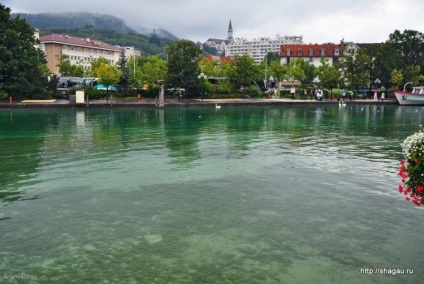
(80, 50)
(311, 52)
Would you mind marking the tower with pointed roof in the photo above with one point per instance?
(230, 32)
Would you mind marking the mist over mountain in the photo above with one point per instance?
(72, 21)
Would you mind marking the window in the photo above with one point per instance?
(288, 52)
(336, 52)
(299, 52)
(323, 52)
(311, 52)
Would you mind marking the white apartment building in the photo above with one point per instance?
(257, 48)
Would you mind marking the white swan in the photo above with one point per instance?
(342, 104)
(217, 106)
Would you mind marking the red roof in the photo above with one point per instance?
(71, 40)
(311, 50)
(220, 58)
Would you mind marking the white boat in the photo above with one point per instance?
(415, 97)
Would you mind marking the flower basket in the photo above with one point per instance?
(412, 168)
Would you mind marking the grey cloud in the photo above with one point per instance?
(317, 21)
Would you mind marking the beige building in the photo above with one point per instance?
(80, 50)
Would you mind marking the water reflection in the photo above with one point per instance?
(243, 194)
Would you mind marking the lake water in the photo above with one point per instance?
(296, 194)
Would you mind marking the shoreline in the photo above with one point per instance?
(118, 103)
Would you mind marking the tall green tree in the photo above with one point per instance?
(295, 72)
(20, 61)
(124, 81)
(307, 67)
(409, 46)
(279, 72)
(183, 69)
(329, 76)
(244, 71)
(154, 69)
(355, 66)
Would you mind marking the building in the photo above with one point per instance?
(130, 51)
(311, 52)
(218, 44)
(257, 48)
(80, 50)
(221, 44)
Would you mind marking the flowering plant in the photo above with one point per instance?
(412, 168)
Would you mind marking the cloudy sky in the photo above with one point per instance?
(319, 21)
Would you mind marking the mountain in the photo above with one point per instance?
(63, 21)
(105, 28)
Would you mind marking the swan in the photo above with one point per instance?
(217, 106)
(342, 104)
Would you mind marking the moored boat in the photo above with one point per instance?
(415, 97)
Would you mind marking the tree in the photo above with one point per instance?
(108, 75)
(355, 66)
(122, 65)
(66, 68)
(183, 69)
(244, 71)
(20, 61)
(295, 72)
(279, 72)
(396, 77)
(307, 67)
(95, 64)
(154, 69)
(328, 75)
(409, 47)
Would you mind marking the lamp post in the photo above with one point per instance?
(266, 65)
(202, 77)
(272, 86)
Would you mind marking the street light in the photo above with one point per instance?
(202, 77)
(272, 86)
(266, 64)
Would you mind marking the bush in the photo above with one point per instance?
(43, 95)
(254, 92)
(94, 94)
(3, 95)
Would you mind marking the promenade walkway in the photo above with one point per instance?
(149, 102)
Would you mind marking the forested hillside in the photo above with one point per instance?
(106, 28)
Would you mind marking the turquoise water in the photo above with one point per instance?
(303, 194)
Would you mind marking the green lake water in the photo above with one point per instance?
(296, 194)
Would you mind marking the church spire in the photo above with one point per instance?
(230, 32)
